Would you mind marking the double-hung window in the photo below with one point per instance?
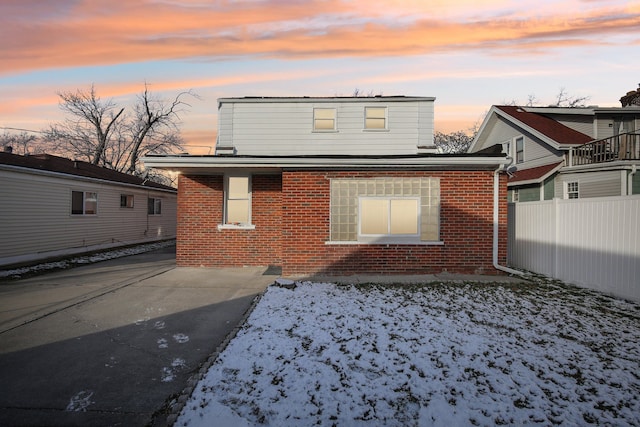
(375, 118)
(237, 200)
(520, 149)
(84, 203)
(385, 210)
(573, 190)
(324, 119)
(154, 206)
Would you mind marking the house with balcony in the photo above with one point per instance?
(338, 185)
(565, 152)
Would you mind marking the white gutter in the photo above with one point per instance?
(311, 162)
(630, 180)
(496, 226)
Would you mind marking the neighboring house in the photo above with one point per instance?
(565, 152)
(51, 207)
(338, 185)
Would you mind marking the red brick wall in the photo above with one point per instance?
(200, 211)
(466, 227)
(291, 214)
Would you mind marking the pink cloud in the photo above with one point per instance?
(101, 32)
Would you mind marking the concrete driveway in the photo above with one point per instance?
(114, 342)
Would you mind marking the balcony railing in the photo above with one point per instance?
(625, 146)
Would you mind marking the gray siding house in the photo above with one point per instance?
(51, 207)
(565, 152)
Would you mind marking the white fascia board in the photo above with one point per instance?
(188, 162)
(337, 99)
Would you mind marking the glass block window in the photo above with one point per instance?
(385, 209)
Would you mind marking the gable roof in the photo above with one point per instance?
(534, 175)
(51, 163)
(555, 131)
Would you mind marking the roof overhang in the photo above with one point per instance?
(538, 175)
(221, 164)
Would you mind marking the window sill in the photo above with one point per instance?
(375, 130)
(236, 227)
(325, 131)
(386, 242)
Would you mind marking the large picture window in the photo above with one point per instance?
(84, 203)
(381, 210)
(237, 200)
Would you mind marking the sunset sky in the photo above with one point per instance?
(468, 54)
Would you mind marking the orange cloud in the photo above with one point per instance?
(101, 32)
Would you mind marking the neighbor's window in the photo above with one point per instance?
(382, 210)
(516, 195)
(520, 149)
(154, 206)
(237, 200)
(84, 203)
(126, 200)
(375, 118)
(573, 190)
(324, 119)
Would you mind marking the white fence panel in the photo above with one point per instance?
(592, 242)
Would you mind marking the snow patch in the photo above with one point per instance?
(80, 402)
(181, 338)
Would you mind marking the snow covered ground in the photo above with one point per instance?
(438, 354)
(17, 273)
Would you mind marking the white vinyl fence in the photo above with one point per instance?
(593, 242)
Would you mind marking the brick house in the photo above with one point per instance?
(338, 186)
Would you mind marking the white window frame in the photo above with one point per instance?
(515, 143)
(88, 198)
(515, 196)
(569, 191)
(388, 236)
(227, 197)
(154, 206)
(367, 118)
(317, 120)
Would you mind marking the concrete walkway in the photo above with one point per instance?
(114, 342)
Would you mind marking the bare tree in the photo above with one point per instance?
(103, 133)
(563, 99)
(18, 143)
(454, 142)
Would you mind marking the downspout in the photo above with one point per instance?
(630, 180)
(496, 226)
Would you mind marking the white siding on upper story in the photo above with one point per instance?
(286, 128)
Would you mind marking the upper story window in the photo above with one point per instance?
(520, 149)
(324, 119)
(84, 203)
(375, 118)
(154, 206)
(126, 200)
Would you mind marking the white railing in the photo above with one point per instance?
(592, 242)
